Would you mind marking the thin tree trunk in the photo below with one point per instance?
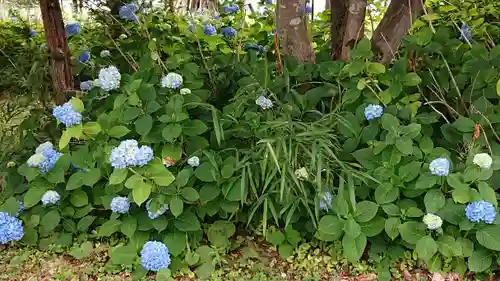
(398, 19)
(347, 26)
(62, 78)
(292, 25)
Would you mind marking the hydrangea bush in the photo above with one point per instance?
(186, 137)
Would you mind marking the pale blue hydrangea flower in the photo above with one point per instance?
(194, 161)
(326, 202)
(308, 8)
(465, 33)
(228, 32)
(127, 12)
(432, 221)
(158, 212)
(73, 29)
(45, 157)
(481, 211)
(440, 167)
(120, 205)
(86, 85)
(209, 29)
(85, 57)
(50, 197)
(373, 111)
(105, 53)
(109, 78)
(264, 102)
(254, 47)
(231, 9)
(43, 45)
(11, 228)
(172, 80)
(67, 114)
(20, 209)
(128, 154)
(33, 33)
(155, 256)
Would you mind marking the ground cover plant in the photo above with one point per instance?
(189, 129)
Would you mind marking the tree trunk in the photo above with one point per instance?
(398, 19)
(347, 26)
(292, 26)
(62, 78)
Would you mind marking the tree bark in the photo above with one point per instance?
(347, 26)
(292, 27)
(397, 20)
(57, 43)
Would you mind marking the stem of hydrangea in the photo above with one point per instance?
(120, 50)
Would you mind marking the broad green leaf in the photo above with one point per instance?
(285, 250)
(386, 193)
(390, 123)
(183, 176)
(176, 243)
(426, 248)
(448, 247)
(50, 220)
(365, 211)
(208, 192)
(373, 227)
(91, 128)
(353, 247)
(141, 193)
(479, 261)
(220, 232)
(194, 127)
(123, 255)
(83, 251)
(118, 176)
(129, 226)
(187, 221)
(206, 172)
(352, 228)
(78, 198)
(464, 125)
(331, 225)
(84, 223)
(405, 145)
(412, 231)
(190, 194)
(118, 131)
(392, 227)
(133, 181)
(144, 124)
(176, 206)
(109, 227)
(411, 79)
(171, 132)
(434, 200)
(489, 237)
(487, 193)
(375, 68)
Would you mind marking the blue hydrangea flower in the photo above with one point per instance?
(127, 12)
(128, 154)
(308, 8)
(155, 256)
(73, 29)
(11, 228)
(228, 32)
(33, 33)
(231, 9)
(45, 157)
(194, 161)
(50, 197)
(171, 81)
(109, 78)
(67, 114)
(209, 29)
(254, 47)
(373, 111)
(105, 53)
(20, 209)
(440, 167)
(326, 202)
(120, 205)
(85, 57)
(76, 169)
(481, 211)
(264, 102)
(158, 212)
(43, 45)
(270, 2)
(465, 33)
(86, 85)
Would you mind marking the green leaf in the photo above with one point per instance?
(50, 220)
(365, 211)
(183, 177)
(84, 223)
(194, 127)
(390, 123)
(30, 173)
(353, 247)
(466, 246)
(176, 243)
(206, 172)
(141, 193)
(412, 231)
(285, 250)
(373, 227)
(91, 128)
(352, 228)
(410, 171)
(448, 247)
(331, 225)
(34, 194)
(118, 131)
(426, 248)
(123, 255)
(190, 194)
(144, 124)
(375, 68)
(405, 145)
(129, 226)
(434, 265)
(171, 132)
(434, 200)
(411, 79)
(392, 227)
(118, 176)
(220, 231)
(109, 227)
(163, 275)
(208, 192)
(163, 177)
(83, 251)
(464, 125)
(498, 87)
(487, 193)
(176, 206)
(479, 261)
(91, 177)
(79, 198)
(187, 221)
(425, 181)
(386, 193)
(489, 237)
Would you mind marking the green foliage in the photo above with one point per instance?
(269, 169)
